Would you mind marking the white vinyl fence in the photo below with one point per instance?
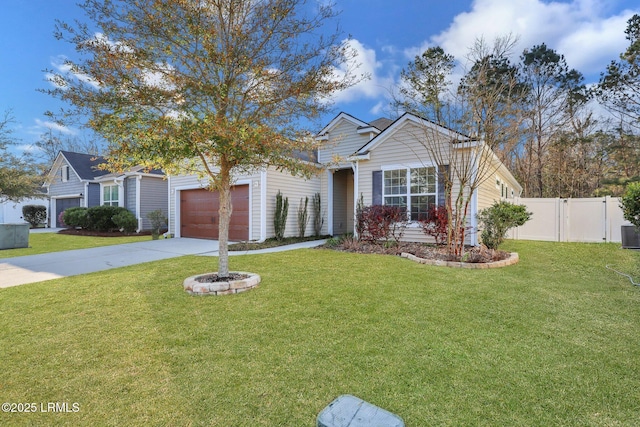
(596, 219)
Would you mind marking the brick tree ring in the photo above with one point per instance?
(210, 284)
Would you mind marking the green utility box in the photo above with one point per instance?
(14, 236)
(350, 411)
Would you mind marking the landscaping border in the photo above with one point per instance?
(513, 259)
(194, 287)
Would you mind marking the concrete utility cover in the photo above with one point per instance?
(351, 411)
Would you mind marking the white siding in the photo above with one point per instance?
(403, 149)
(499, 185)
(295, 188)
(344, 141)
(11, 212)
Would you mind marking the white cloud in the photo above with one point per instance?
(577, 29)
(28, 148)
(65, 69)
(365, 62)
(379, 109)
(42, 125)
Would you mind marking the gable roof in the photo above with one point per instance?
(85, 165)
(400, 121)
(342, 116)
(136, 170)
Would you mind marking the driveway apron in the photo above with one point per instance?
(35, 268)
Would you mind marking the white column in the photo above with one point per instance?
(330, 202)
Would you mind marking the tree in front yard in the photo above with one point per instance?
(212, 87)
(20, 177)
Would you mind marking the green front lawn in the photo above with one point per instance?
(553, 340)
(41, 243)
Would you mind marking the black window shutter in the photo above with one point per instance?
(443, 171)
(376, 187)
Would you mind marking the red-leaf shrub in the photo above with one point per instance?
(436, 224)
(381, 222)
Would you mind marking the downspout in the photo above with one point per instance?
(355, 166)
(169, 216)
(86, 194)
(138, 204)
(263, 206)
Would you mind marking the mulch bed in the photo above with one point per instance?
(476, 254)
(214, 278)
(81, 232)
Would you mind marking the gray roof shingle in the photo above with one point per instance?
(85, 165)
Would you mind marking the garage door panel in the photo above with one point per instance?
(64, 204)
(199, 213)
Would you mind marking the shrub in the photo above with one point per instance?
(318, 220)
(76, 217)
(158, 222)
(630, 204)
(333, 242)
(497, 219)
(381, 222)
(436, 224)
(280, 217)
(359, 219)
(100, 218)
(125, 221)
(34, 214)
(303, 216)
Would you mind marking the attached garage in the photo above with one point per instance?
(199, 216)
(64, 204)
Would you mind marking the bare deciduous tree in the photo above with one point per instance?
(478, 119)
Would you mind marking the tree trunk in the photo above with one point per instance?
(224, 211)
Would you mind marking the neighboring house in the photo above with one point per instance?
(372, 161)
(11, 212)
(75, 179)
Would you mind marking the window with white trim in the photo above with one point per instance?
(64, 173)
(414, 189)
(110, 195)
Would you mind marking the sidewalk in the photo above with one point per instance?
(35, 268)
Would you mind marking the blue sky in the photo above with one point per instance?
(386, 34)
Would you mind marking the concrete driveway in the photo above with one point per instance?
(35, 268)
